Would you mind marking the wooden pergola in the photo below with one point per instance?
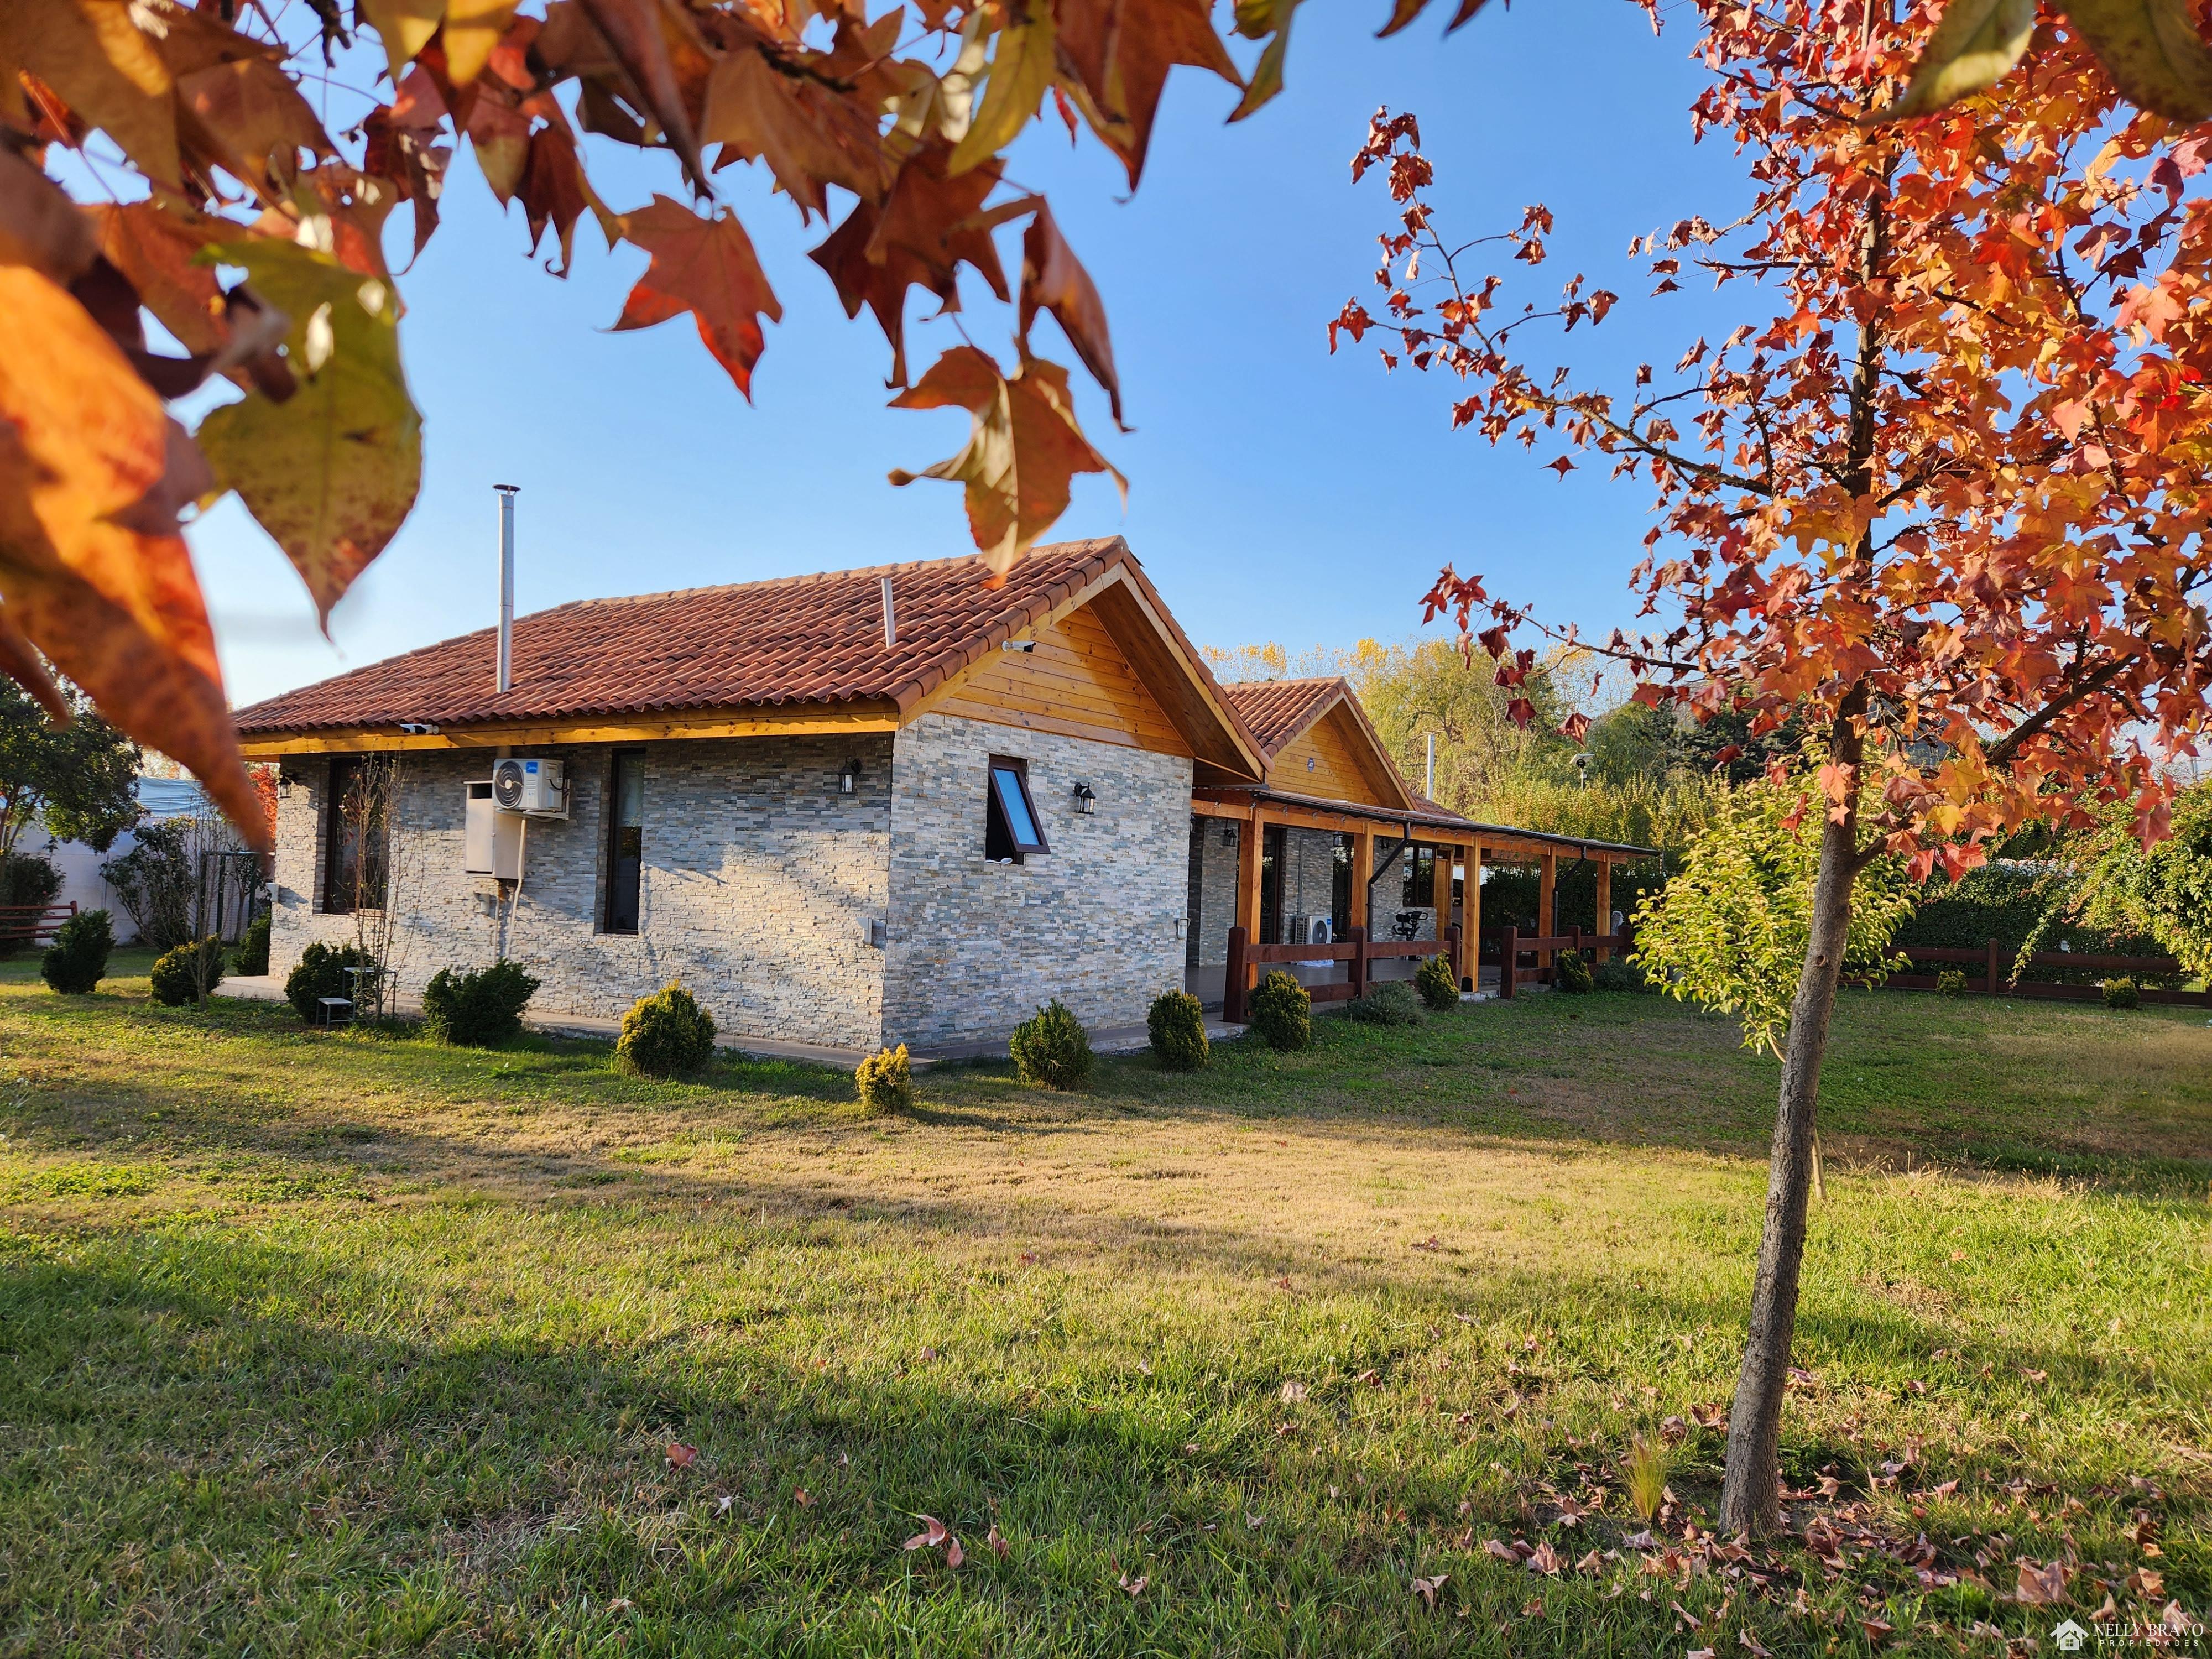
(1465, 841)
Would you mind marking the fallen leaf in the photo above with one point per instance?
(954, 1555)
(681, 1457)
(1135, 1587)
(804, 1498)
(2043, 1586)
(934, 1533)
(1753, 1646)
(998, 1544)
(1291, 1393)
(1426, 1588)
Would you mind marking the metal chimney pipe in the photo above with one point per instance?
(891, 617)
(507, 493)
(1429, 780)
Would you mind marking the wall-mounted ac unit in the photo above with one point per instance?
(535, 788)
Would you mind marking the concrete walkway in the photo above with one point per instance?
(1109, 1040)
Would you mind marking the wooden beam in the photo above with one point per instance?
(814, 721)
(1248, 878)
(1470, 936)
(1440, 869)
(1363, 873)
(1548, 882)
(1604, 901)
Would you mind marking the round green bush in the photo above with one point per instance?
(184, 974)
(476, 1009)
(321, 972)
(1615, 974)
(1570, 973)
(664, 1034)
(1281, 1010)
(886, 1080)
(77, 959)
(252, 955)
(1177, 1024)
(1437, 984)
(1393, 1002)
(1951, 983)
(1052, 1048)
(2122, 993)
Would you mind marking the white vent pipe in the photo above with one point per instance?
(891, 617)
(506, 493)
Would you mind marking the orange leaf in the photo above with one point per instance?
(1122, 52)
(85, 450)
(633, 30)
(97, 58)
(245, 115)
(1053, 279)
(706, 267)
(808, 135)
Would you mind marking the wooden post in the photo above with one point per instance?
(1509, 961)
(1363, 876)
(1471, 919)
(1356, 937)
(1440, 864)
(1993, 968)
(1250, 840)
(1604, 906)
(1547, 912)
(1232, 983)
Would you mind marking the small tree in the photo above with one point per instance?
(385, 868)
(76, 779)
(1939, 493)
(2164, 891)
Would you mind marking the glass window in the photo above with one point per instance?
(625, 839)
(1010, 829)
(355, 831)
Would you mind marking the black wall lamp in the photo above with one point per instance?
(1086, 803)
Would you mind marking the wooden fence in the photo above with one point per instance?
(1513, 945)
(33, 924)
(1246, 959)
(1993, 959)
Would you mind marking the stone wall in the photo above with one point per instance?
(1213, 903)
(760, 881)
(974, 946)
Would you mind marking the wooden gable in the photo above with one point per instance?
(1075, 681)
(1336, 759)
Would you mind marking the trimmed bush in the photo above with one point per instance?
(1571, 973)
(1951, 983)
(476, 1009)
(319, 973)
(1281, 1010)
(1051, 1047)
(184, 974)
(252, 955)
(77, 959)
(1394, 1002)
(1177, 1024)
(2121, 993)
(1615, 974)
(1437, 984)
(886, 1080)
(664, 1034)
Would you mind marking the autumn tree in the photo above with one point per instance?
(1938, 492)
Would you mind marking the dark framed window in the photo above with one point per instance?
(1420, 889)
(625, 839)
(356, 835)
(1011, 830)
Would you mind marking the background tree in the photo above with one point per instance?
(1938, 493)
(2163, 891)
(230, 167)
(78, 779)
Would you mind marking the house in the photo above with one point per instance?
(872, 806)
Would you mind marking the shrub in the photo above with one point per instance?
(154, 882)
(1177, 1024)
(26, 879)
(1394, 1002)
(319, 973)
(1281, 1010)
(1615, 974)
(476, 1009)
(1571, 973)
(2121, 993)
(1951, 983)
(77, 959)
(1051, 1047)
(252, 955)
(886, 1080)
(665, 1033)
(1437, 984)
(188, 972)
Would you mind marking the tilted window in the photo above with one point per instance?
(625, 839)
(1010, 827)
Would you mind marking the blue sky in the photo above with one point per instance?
(1274, 492)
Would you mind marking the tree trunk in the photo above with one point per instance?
(1750, 1499)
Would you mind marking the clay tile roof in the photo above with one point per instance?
(1276, 711)
(801, 639)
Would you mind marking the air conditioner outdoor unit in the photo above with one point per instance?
(535, 788)
(1312, 930)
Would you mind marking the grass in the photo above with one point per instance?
(349, 1343)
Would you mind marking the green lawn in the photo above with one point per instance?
(349, 1344)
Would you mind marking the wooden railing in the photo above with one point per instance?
(1994, 961)
(33, 924)
(1246, 960)
(1513, 945)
